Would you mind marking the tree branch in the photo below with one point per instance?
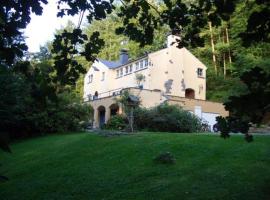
(80, 18)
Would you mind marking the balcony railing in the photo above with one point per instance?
(109, 93)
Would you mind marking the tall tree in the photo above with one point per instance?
(114, 43)
(256, 98)
(15, 15)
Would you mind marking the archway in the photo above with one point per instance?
(101, 115)
(190, 93)
(114, 109)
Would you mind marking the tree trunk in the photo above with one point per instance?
(228, 42)
(213, 46)
(224, 65)
(224, 55)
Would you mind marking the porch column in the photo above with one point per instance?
(107, 114)
(96, 121)
(120, 111)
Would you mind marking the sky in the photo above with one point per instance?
(42, 28)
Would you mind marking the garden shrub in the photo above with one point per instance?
(223, 127)
(35, 105)
(69, 115)
(235, 125)
(167, 118)
(65, 114)
(165, 158)
(117, 122)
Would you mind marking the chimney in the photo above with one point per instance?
(123, 56)
(173, 39)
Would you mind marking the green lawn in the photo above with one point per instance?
(86, 166)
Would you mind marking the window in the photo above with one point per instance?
(90, 78)
(200, 72)
(130, 68)
(126, 69)
(146, 62)
(137, 65)
(103, 76)
(121, 72)
(117, 73)
(141, 64)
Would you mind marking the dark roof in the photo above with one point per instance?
(110, 64)
(116, 64)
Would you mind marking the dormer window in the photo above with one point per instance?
(146, 62)
(141, 64)
(121, 72)
(137, 65)
(200, 72)
(90, 78)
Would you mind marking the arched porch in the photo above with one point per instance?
(114, 109)
(104, 110)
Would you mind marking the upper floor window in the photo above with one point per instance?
(146, 62)
(126, 69)
(117, 73)
(90, 78)
(130, 68)
(200, 72)
(121, 72)
(137, 65)
(103, 76)
(141, 64)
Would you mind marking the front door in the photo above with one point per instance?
(101, 118)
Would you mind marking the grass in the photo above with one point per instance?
(87, 166)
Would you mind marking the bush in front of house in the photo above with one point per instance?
(117, 122)
(226, 125)
(71, 116)
(67, 114)
(166, 118)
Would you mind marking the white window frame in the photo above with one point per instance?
(141, 64)
(146, 62)
(137, 65)
(200, 72)
(121, 72)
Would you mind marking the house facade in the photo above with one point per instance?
(172, 75)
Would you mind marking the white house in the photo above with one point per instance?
(171, 74)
